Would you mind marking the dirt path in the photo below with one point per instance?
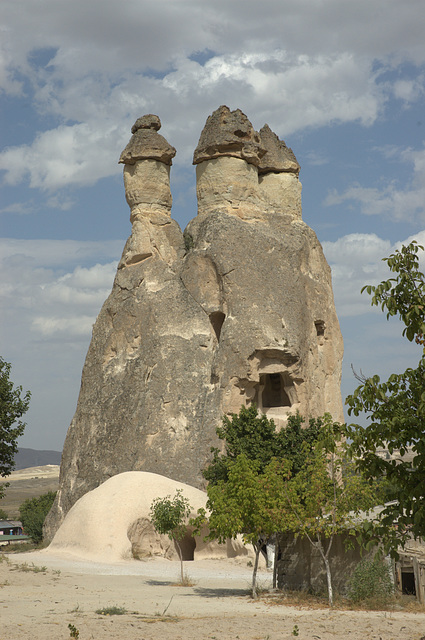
(41, 604)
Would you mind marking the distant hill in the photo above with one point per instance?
(34, 458)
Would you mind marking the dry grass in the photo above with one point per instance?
(304, 600)
(186, 581)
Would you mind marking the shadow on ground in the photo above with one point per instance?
(219, 592)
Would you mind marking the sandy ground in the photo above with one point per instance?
(41, 604)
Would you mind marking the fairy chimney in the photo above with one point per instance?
(238, 310)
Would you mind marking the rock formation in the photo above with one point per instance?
(112, 523)
(238, 309)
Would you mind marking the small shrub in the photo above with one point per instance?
(111, 611)
(371, 581)
(25, 567)
(188, 241)
(186, 581)
(73, 631)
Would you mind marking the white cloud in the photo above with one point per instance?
(409, 90)
(357, 260)
(50, 294)
(96, 68)
(45, 290)
(82, 325)
(21, 254)
(311, 91)
(59, 157)
(392, 201)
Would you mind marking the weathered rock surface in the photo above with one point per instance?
(239, 310)
(229, 133)
(278, 157)
(146, 143)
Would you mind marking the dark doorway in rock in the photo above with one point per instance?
(217, 319)
(187, 546)
(408, 583)
(274, 394)
(320, 328)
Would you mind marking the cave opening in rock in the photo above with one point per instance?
(274, 394)
(320, 328)
(217, 319)
(187, 546)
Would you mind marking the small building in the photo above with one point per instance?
(11, 531)
(11, 528)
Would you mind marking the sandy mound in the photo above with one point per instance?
(111, 523)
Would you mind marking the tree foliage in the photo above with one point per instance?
(320, 500)
(248, 502)
(255, 436)
(33, 512)
(327, 496)
(169, 516)
(395, 409)
(13, 405)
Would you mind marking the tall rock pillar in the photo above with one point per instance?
(243, 313)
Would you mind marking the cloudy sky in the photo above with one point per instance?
(342, 82)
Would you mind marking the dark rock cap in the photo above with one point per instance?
(229, 133)
(278, 157)
(149, 121)
(146, 143)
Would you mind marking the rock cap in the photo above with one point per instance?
(278, 157)
(146, 143)
(149, 121)
(229, 133)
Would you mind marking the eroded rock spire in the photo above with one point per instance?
(244, 172)
(147, 159)
(242, 314)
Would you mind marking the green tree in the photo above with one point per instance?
(247, 502)
(3, 515)
(254, 435)
(13, 405)
(326, 496)
(395, 409)
(169, 516)
(33, 512)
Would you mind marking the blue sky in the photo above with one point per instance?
(342, 82)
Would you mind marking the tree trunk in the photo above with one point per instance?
(181, 559)
(276, 554)
(329, 580)
(325, 557)
(257, 549)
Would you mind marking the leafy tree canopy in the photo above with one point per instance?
(13, 405)
(33, 513)
(395, 409)
(322, 499)
(169, 516)
(249, 502)
(255, 436)
(327, 496)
